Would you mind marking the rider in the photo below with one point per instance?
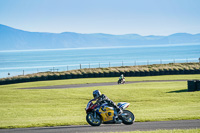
(101, 98)
(121, 77)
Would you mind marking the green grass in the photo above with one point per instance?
(102, 80)
(158, 101)
(166, 131)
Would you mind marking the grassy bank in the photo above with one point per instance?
(131, 71)
(158, 101)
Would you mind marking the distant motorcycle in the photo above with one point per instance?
(121, 81)
(98, 114)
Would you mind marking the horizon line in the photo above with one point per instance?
(100, 32)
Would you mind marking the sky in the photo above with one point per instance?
(144, 17)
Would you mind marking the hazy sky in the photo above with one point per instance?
(144, 17)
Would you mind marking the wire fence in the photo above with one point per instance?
(120, 63)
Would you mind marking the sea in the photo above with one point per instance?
(22, 62)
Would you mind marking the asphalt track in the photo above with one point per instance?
(137, 126)
(95, 84)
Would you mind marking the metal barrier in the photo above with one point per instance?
(193, 85)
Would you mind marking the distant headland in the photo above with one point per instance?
(15, 39)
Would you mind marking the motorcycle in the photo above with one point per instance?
(98, 114)
(121, 81)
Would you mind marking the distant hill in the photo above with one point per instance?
(14, 39)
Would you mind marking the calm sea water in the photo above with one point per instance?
(26, 62)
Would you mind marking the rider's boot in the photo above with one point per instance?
(117, 120)
(116, 117)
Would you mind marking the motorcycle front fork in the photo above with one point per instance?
(95, 115)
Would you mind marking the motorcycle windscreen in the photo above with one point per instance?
(123, 105)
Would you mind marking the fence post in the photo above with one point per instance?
(109, 64)
(80, 66)
(122, 63)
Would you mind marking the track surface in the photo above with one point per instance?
(95, 84)
(141, 126)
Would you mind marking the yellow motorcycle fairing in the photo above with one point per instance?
(107, 113)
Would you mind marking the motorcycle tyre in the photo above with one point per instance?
(93, 124)
(118, 82)
(126, 122)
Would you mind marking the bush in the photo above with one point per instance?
(146, 71)
(137, 72)
(56, 76)
(33, 78)
(156, 71)
(197, 70)
(121, 71)
(127, 72)
(176, 70)
(96, 73)
(101, 73)
(62, 76)
(117, 73)
(112, 73)
(161, 71)
(84, 73)
(171, 70)
(151, 71)
(74, 74)
(132, 73)
(90, 74)
(142, 72)
(181, 70)
(2, 81)
(68, 75)
(186, 70)
(166, 71)
(191, 70)
(50, 76)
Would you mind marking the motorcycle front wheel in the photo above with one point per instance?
(127, 117)
(93, 121)
(118, 81)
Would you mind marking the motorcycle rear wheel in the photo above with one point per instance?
(93, 121)
(129, 118)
